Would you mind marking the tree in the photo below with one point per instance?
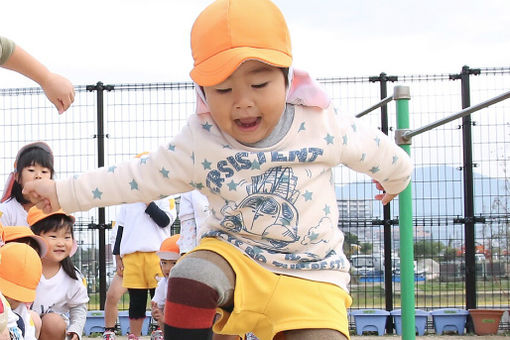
(428, 248)
(349, 239)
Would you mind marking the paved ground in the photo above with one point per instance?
(389, 337)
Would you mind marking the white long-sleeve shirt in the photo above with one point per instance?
(275, 204)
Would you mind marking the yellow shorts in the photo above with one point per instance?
(140, 270)
(266, 303)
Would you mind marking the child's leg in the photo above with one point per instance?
(199, 282)
(113, 295)
(53, 327)
(137, 306)
(311, 334)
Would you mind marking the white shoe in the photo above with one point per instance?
(109, 335)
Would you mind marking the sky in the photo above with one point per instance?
(140, 41)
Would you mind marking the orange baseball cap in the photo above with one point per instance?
(35, 215)
(13, 233)
(169, 250)
(229, 32)
(20, 271)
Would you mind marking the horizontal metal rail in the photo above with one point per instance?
(378, 105)
(407, 135)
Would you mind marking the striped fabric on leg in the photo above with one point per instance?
(189, 310)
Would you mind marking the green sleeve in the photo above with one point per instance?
(6, 48)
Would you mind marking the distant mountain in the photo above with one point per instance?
(437, 191)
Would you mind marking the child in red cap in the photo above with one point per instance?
(262, 148)
(33, 161)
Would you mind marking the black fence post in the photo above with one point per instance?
(101, 226)
(388, 282)
(469, 216)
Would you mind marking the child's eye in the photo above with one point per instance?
(259, 86)
(221, 91)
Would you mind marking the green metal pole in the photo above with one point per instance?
(402, 96)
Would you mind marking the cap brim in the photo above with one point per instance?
(167, 255)
(16, 292)
(219, 67)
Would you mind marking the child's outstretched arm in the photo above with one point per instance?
(43, 193)
(58, 89)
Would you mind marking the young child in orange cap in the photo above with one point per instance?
(61, 298)
(262, 147)
(168, 253)
(22, 234)
(20, 272)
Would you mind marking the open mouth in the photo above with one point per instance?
(246, 123)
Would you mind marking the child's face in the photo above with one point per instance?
(60, 244)
(249, 103)
(166, 266)
(33, 172)
(13, 303)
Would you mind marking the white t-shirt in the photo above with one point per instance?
(22, 311)
(13, 213)
(193, 213)
(160, 293)
(59, 293)
(141, 233)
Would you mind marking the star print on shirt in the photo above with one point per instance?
(302, 127)
(232, 186)
(144, 160)
(344, 139)
(171, 147)
(329, 139)
(112, 168)
(354, 127)
(97, 194)
(326, 210)
(207, 126)
(206, 164)
(395, 159)
(374, 169)
(164, 172)
(307, 195)
(363, 155)
(377, 140)
(255, 165)
(133, 184)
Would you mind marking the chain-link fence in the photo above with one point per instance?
(139, 117)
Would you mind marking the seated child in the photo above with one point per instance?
(169, 253)
(61, 297)
(23, 234)
(20, 272)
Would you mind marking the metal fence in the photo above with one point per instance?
(123, 120)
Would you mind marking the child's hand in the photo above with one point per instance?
(42, 192)
(156, 312)
(385, 198)
(59, 91)
(72, 336)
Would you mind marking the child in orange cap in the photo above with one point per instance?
(168, 253)
(262, 148)
(22, 234)
(61, 298)
(20, 272)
